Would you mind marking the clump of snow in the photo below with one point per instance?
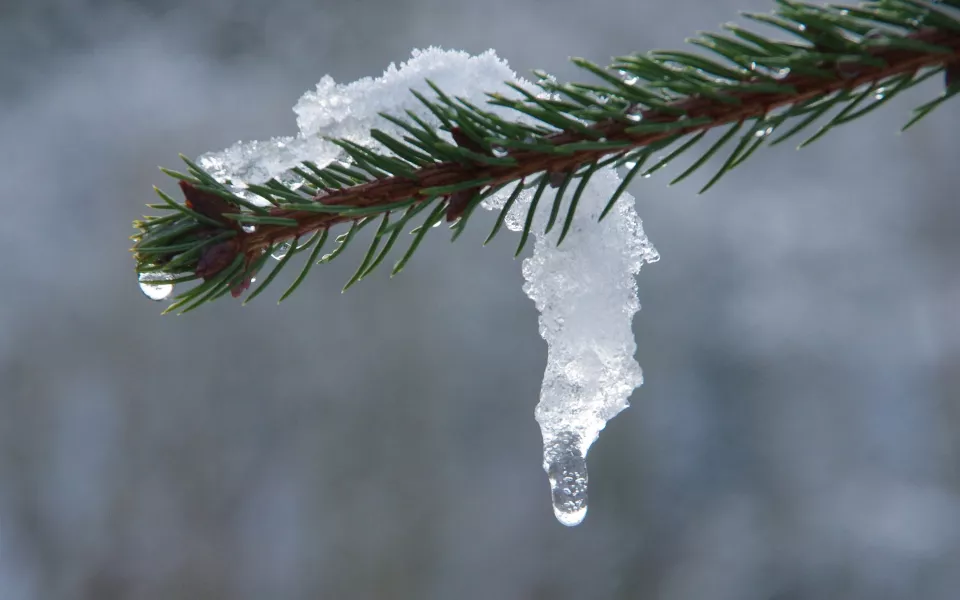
(585, 289)
(350, 110)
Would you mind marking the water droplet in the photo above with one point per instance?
(629, 165)
(499, 152)
(635, 116)
(280, 251)
(801, 27)
(767, 71)
(437, 224)
(154, 285)
(566, 468)
(631, 80)
(647, 175)
(249, 228)
(880, 93)
(763, 132)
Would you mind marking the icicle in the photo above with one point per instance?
(586, 293)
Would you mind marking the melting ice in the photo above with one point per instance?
(586, 293)
(585, 290)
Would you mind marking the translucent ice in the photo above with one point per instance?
(585, 290)
(567, 471)
(586, 293)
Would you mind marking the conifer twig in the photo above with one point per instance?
(854, 58)
(381, 192)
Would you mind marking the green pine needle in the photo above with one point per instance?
(848, 59)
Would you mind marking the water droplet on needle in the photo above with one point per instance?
(155, 286)
(760, 133)
(281, 251)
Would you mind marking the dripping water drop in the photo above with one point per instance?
(566, 468)
(155, 285)
(249, 228)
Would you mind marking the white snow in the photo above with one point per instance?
(585, 290)
(350, 110)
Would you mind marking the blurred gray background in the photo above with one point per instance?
(797, 437)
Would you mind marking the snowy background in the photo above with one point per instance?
(797, 437)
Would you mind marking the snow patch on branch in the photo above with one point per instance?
(351, 110)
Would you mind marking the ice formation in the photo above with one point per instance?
(586, 293)
(585, 289)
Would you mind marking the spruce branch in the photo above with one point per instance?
(848, 59)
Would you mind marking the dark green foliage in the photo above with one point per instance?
(844, 61)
